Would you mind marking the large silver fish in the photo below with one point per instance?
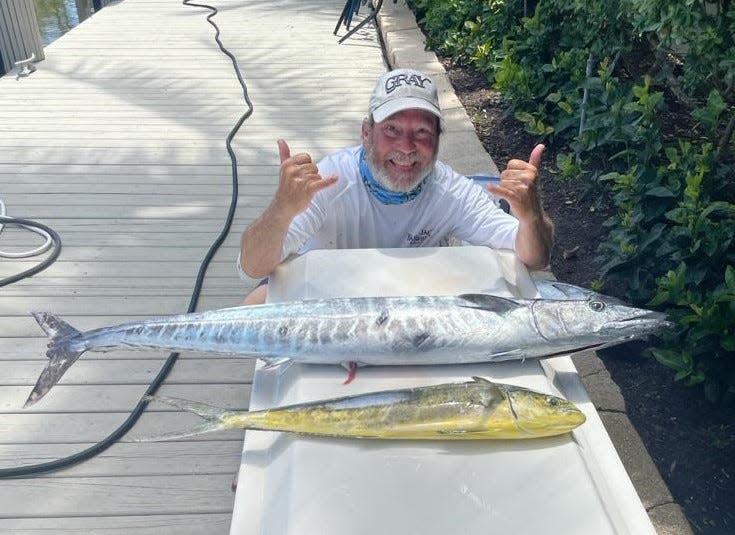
(468, 328)
(474, 410)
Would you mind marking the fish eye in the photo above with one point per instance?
(597, 306)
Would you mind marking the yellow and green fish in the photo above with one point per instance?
(472, 410)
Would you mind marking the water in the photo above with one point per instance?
(56, 17)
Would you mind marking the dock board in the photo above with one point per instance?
(117, 142)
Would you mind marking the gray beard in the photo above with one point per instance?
(382, 177)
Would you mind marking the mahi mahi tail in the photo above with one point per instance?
(214, 416)
(60, 353)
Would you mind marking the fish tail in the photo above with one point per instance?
(61, 353)
(54, 327)
(216, 418)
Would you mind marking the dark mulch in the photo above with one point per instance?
(691, 442)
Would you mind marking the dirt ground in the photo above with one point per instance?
(691, 442)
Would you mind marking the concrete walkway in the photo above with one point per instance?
(406, 47)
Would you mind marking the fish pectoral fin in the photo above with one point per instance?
(513, 354)
(490, 303)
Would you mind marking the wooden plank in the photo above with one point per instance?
(181, 524)
(178, 494)
(112, 211)
(172, 189)
(127, 199)
(152, 304)
(224, 267)
(76, 428)
(23, 239)
(96, 371)
(224, 285)
(112, 182)
(132, 225)
(117, 142)
(170, 170)
(201, 236)
(47, 292)
(30, 350)
(131, 459)
(156, 155)
(109, 397)
(166, 253)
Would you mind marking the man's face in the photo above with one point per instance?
(402, 149)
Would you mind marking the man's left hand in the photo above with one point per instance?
(519, 186)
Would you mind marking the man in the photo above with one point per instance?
(392, 192)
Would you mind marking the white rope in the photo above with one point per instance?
(24, 254)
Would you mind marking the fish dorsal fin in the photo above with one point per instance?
(491, 303)
(478, 379)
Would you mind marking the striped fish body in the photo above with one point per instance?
(475, 410)
(378, 331)
(422, 330)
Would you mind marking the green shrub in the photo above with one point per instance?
(595, 79)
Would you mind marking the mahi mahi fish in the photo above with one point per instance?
(468, 328)
(473, 410)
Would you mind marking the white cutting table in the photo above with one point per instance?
(572, 484)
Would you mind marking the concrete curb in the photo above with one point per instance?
(461, 148)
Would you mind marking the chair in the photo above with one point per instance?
(352, 7)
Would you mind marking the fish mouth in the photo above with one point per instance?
(646, 321)
(563, 421)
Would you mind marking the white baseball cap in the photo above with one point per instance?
(403, 89)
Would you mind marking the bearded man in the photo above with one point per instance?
(392, 192)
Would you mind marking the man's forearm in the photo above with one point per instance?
(262, 242)
(533, 242)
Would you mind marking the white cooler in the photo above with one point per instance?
(289, 484)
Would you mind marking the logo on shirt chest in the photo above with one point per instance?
(418, 239)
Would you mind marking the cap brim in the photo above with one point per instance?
(381, 113)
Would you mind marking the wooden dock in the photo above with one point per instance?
(117, 142)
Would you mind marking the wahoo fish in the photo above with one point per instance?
(468, 328)
(473, 410)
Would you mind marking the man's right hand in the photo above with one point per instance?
(299, 181)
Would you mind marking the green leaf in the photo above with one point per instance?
(660, 191)
(719, 207)
(525, 117)
(653, 236)
(661, 297)
(672, 359)
(712, 391)
(727, 342)
(565, 106)
(681, 375)
(730, 278)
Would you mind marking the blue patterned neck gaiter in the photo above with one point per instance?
(385, 195)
